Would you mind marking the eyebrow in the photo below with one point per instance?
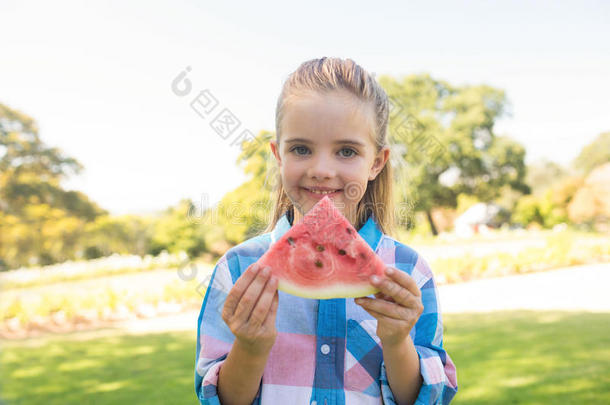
(340, 141)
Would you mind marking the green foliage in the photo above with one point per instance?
(40, 223)
(548, 208)
(26, 306)
(561, 250)
(41, 234)
(31, 172)
(179, 230)
(528, 210)
(434, 127)
(595, 154)
(590, 205)
(437, 128)
(117, 234)
(246, 211)
(543, 175)
(465, 201)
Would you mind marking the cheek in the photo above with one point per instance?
(356, 182)
(289, 174)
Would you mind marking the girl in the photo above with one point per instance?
(256, 344)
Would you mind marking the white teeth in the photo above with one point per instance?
(322, 192)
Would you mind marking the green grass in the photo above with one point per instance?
(528, 357)
(123, 369)
(502, 358)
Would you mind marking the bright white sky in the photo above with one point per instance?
(97, 76)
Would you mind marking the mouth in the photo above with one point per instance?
(317, 193)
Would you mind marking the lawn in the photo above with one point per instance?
(502, 358)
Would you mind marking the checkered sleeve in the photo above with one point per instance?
(214, 338)
(437, 369)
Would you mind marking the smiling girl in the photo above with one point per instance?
(256, 344)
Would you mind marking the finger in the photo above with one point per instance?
(381, 317)
(385, 308)
(270, 320)
(238, 290)
(392, 289)
(262, 307)
(382, 296)
(374, 314)
(251, 295)
(403, 279)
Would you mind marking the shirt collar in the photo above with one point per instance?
(370, 231)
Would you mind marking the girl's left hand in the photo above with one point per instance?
(396, 307)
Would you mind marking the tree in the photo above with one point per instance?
(543, 175)
(550, 207)
(594, 154)
(39, 221)
(591, 203)
(177, 231)
(245, 211)
(118, 234)
(31, 170)
(437, 131)
(446, 145)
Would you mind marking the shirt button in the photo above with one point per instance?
(314, 402)
(325, 349)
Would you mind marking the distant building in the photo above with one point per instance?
(479, 219)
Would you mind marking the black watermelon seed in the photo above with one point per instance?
(362, 255)
(341, 252)
(291, 241)
(318, 263)
(348, 230)
(320, 248)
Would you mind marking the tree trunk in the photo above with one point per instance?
(431, 222)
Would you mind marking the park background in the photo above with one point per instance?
(134, 153)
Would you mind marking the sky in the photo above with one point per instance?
(97, 77)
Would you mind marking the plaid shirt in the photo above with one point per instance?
(327, 351)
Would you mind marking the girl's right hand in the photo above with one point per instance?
(250, 309)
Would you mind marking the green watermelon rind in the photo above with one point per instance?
(336, 291)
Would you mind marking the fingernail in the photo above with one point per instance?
(389, 271)
(266, 271)
(374, 279)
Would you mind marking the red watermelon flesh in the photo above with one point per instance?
(323, 256)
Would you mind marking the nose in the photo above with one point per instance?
(321, 168)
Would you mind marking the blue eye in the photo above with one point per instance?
(350, 154)
(297, 148)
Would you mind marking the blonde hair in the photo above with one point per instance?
(331, 74)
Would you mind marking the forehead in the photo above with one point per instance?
(328, 117)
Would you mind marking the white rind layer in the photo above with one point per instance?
(332, 291)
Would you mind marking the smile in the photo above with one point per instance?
(322, 192)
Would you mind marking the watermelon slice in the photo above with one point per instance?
(323, 256)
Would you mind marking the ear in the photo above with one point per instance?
(378, 164)
(275, 148)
